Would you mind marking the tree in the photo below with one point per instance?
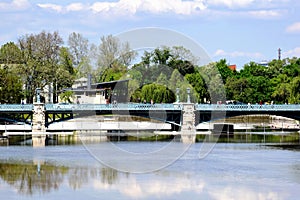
(41, 68)
(214, 82)
(294, 91)
(178, 81)
(162, 79)
(156, 93)
(78, 46)
(10, 53)
(113, 55)
(65, 74)
(113, 73)
(181, 53)
(112, 51)
(10, 85)
(223, 69)
(254, 69)
(66, 96)
(10, 77)
(198, 84)
(81, 52)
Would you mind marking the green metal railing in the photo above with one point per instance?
(245, 107)
(16, 107)
(119, 106)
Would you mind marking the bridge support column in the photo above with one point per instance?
(188, 129)
(38, 125)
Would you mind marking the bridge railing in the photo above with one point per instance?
(16, 107)
(137, 106)
(119, 106)
(245, 107)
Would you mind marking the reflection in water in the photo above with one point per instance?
(231, 171)
(29, 178)
(81, 176)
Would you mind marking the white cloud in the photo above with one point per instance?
(51, 6)
(293, 28)
(75, 7)
(15, 5)
(150, 6)
(132, 7)
(291, 53)
(235, 54)
(248, 4)
(132, 188)
(102, 6)
(263, 9)
(240, 192)
(266, 14)
(230, 3)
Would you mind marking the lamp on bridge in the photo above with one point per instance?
(188, 90)
(38, 95)
(177, 95)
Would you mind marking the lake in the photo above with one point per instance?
(172, 171)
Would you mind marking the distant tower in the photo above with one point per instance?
(279, 54)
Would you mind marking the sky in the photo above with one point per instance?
(238, 30)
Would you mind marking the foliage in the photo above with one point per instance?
(81, 52)
(112, 51)
(10, 78)
(156, 93)
(46, 64)
(113, 73)
(10, 53)
(213, 82)
(10, 85)
(66, 96)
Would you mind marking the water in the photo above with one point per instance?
(229, 171)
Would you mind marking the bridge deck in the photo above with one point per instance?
(136, 106)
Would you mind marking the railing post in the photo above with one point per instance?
(38, 125)
(188, 129)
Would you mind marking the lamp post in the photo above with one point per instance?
(188, 90)
(38, 95)
(177, 95)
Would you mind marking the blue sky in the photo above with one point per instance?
(238, 30)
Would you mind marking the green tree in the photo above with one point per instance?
(294, 91)
(66, 96)
(10, 85)
(46, 63)
(10, 73)
(113, 73)
(223, 69)
(214, 82)
(113, 52)
(198, 84)
(10, 53)
(81, 53)
(162, 79)
(155, 92)
(41, 58)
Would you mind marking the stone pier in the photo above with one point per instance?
(188, 129)
(38, 125)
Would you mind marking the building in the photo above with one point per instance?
(99, 93)
(232, 67)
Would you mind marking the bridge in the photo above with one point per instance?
(38, 118)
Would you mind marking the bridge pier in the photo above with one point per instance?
(188, 129)
(38, 125)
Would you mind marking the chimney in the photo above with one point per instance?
(89, 81)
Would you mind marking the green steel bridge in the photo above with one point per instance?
(169, 113)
